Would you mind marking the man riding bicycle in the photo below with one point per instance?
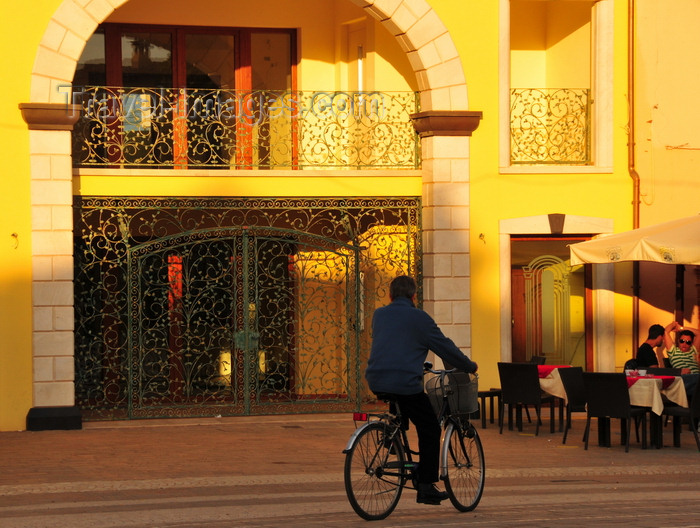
(402, 335)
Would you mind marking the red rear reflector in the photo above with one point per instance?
(359, 417)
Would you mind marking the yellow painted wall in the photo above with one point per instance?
(668, 141)
(18, 24)
(255, 183)
(550, 44)
(528, 42)
(568, 45)
(666, 99)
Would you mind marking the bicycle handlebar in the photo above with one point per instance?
(428, 367)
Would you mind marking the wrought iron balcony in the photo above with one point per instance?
(226, 129)
(550, 126)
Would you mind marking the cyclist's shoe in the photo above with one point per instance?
(429, 494)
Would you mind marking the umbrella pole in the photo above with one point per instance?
(635, 307)
(680, 294)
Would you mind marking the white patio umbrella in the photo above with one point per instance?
(674, 242)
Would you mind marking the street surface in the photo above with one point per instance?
(288, 472)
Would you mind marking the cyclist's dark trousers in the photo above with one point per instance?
(417, 408)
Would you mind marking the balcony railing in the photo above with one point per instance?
(223, 129)
(550, 126)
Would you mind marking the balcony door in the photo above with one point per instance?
(190, 96)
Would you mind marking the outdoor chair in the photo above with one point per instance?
(630, 364)
(537, 360)
(607, 396)
(664, 371)
(520, 386)
(691, 413)
(572, 379)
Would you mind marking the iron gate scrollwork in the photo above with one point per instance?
(200, 307)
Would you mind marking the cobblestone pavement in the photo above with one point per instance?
(288, 472)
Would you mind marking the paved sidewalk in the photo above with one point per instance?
(288, 472)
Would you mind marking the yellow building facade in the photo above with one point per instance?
(103, 314)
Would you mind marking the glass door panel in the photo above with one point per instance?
(147, 59)
(184, 96)
(210, 80)
(146, 111)
(270, 111)
(271, 60)
(91, 69)
(209, 61)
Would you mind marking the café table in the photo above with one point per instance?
(647, 391)
(550, 382)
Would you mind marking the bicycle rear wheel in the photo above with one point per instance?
(374, 473)
(463, 462)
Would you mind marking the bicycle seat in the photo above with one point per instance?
(393, 406)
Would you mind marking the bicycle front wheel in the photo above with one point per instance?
(463, 466)
(375, 472)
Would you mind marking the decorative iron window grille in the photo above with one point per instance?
(227, 306)
(214, 129)
(550, 126)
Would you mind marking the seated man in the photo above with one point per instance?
(684, 355)
(646, 353)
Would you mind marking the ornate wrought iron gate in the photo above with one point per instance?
(194, 307)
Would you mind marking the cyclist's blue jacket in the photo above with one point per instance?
(402, 335)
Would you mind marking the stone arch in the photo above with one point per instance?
(417, 28)
(438, 68)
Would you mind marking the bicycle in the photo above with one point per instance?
(379, 460)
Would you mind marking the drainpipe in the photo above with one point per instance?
(630, 103)
(631, 166)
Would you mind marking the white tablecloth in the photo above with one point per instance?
(552, 384)
(646, 392)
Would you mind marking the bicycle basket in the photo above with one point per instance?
(462, 393)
